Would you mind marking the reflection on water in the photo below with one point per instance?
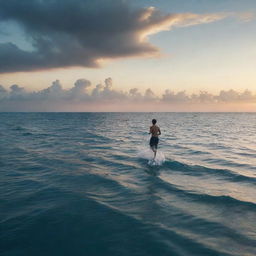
(80, 184)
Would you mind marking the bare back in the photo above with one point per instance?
(155, 130)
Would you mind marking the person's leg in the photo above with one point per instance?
(153, 145)
(154, 150)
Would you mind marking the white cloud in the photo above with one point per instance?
(170, 96)
(104, 95)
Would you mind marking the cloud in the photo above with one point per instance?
(66, 33)
(170, 96)
(84, 96)
(149, 95)
(3, 93)
(79, 91)
(232, 95)
(245, 16)
(135, 95)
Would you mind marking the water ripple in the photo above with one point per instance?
(73, 184)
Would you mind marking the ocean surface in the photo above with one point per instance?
(81, 184)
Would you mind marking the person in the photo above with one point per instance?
(155, 132)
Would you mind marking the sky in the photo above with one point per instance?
(120, 55)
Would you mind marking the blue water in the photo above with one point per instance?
(73, 184)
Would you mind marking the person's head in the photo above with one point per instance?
(153, 121)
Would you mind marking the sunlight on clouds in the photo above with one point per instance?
(103, 96)
(156, 21)
(85, 38)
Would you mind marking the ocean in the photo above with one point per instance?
(82, 184)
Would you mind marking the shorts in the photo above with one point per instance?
(153, 142)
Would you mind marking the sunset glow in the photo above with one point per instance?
(174, 46)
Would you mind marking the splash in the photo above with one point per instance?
(146, 153)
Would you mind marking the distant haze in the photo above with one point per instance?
(84, 96)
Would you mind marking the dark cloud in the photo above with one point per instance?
(67, 33)
(84, 94)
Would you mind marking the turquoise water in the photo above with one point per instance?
(76, 184)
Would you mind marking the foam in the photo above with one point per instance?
(146, 153)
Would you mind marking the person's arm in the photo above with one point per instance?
(150, 130)
(159, 131)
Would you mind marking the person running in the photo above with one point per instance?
(155, 132)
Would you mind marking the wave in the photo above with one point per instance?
(19, 128)
(216, 200)
(172, 241)
(197, 170)
(112, 232)
(230, 163)
(149, 155)
(74, 185)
